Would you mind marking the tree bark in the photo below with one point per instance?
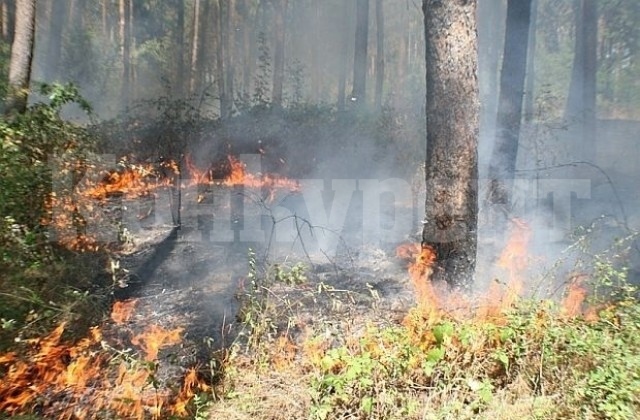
(21, 57)
(359, 94)
(451, 208)
(379, 54)
(581, 103)
(514, 67)
(278, 54)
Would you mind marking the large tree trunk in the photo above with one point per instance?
(514, 67)
(278, 55)
(451, 208)
(379, 54)
(359, 94)
(581, 103)
(21, 57)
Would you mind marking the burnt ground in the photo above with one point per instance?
(186, 278)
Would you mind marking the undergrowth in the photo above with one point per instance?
(535, 360)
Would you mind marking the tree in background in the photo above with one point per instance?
(512, 77)
(451, 208)
(280, 8)
(21, 57)
(581, 102)
(360, 58)
(379, 54)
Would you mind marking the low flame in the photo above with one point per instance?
(52, 372)
(421, 260)
(123, 310)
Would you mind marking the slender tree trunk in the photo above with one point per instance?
(581, 103)
(222, 93)
(346, 36)
(179, 49)
(247, 56)
(379, 54)
(203, 57)
(194, 48)
(125, 51)
(529, 95)
(8, 20)
(359, 94)
(105, 18)
(57, 22)
(227, 48)
(491, 29)
(21, 57)
(514, 67)
(278, 54)
(315, 45)
(452, 138)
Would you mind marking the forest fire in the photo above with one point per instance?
(235, 174)
(502, 294)
(78, 380)
(88, 203)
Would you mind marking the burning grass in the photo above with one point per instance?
(92, 379)
(499, 355)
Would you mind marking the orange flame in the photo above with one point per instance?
(152, 340)
(421, 260)
(123, 310)
(53, 371)
(575, 296)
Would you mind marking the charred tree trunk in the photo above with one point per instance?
(514, 67)
(21, 57)
(451, 208)
(278, 54)
(581, 103)
(379, 54)
(360, 54)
